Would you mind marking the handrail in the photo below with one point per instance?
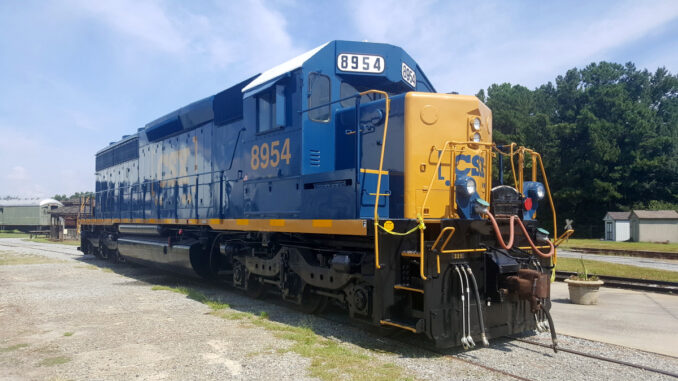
(446, 146)
(563, 237)
(381, 168)
(536, 157)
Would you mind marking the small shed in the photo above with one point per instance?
(617, 226)
(65, 221)
(654, 225)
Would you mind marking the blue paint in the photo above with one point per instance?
(170, 178)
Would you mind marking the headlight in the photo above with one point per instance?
(476, 124)
(470, 186)
(476, 137)
(540, 191)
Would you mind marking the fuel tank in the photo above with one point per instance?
(186, 257)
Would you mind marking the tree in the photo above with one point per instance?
(608, 134)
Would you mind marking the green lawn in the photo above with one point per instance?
(6, 234)
(612, 245)
(614, 269)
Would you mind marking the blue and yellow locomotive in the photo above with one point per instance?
(339, 176)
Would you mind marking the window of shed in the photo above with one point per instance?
(319, 95)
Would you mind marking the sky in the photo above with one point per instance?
(78, 74)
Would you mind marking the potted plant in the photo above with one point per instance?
(583, 287)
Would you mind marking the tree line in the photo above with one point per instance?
(608, 134)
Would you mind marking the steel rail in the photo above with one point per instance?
(597, 357)
(630, 283)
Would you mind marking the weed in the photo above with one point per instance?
(67, 334)
(13, 348)
(51, 361)
(9, 259)
(329, 359)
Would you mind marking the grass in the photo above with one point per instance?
(51, 361)
(613, 245)
(13, 348)
(46, 240)
(9, 259)
(329, 359)
(12, 234)
(67, 334)
(614, 269)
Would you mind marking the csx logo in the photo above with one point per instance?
(467, 165)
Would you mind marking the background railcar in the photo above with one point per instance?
(26, 215)
(342, 176)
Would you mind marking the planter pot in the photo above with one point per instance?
(583, 291)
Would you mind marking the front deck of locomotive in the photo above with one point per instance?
(468, 262)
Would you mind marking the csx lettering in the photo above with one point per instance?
(477, 165)
(267, 154)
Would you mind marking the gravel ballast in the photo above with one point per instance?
(68, 316)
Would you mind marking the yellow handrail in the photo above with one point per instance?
(446, 146)
(563, 237)
(381, 168)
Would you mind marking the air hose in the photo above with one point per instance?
(479, 307)
(508, 246)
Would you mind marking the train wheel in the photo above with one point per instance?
(100, 252)
(312, 303)
(255, 289)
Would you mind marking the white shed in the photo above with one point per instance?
(617, 226)
(654, 225)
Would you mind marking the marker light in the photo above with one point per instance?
(476, 137)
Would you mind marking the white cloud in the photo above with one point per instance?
(144, 21)
(249, 33)
(17, 173)
(466, 47)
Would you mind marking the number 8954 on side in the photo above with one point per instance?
(265, 154)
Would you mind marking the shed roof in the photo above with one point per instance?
(66, 210)
(656, 214)
(29, 202)
(618, 215)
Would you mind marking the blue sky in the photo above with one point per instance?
(77, 74)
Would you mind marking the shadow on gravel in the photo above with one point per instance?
(334, 322)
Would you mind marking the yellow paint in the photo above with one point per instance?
(322, 223)
(388, 225)
(344, 227)
(399, 287)
(373, 171)
(386, 322)
(425, 147)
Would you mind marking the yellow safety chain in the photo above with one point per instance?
(421, 225)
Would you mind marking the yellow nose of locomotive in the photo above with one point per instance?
(447, 137)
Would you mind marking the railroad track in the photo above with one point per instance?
(38, 247)
(630, 283)
(601, 358)
(406, 339)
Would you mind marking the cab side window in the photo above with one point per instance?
(318, 95)
(271, 109)
(265, 111)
